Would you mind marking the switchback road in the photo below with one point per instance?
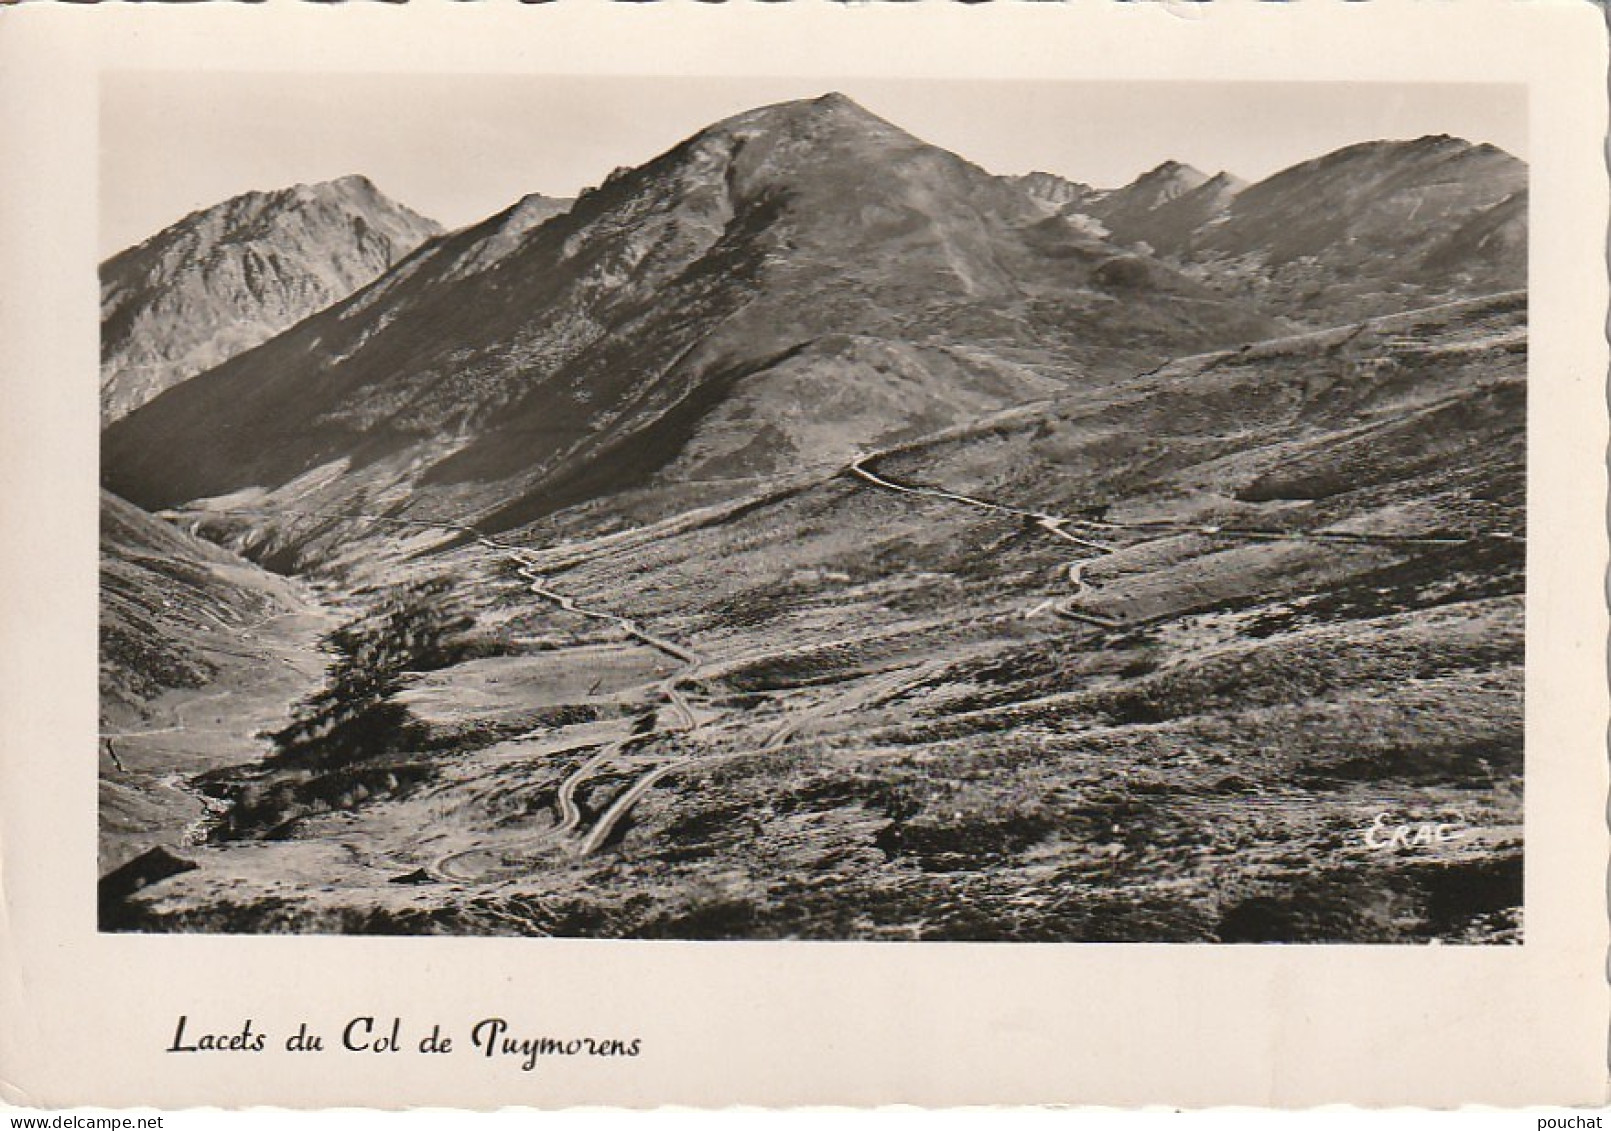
(1055, 525)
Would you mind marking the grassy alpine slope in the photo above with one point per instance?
(1148, 661)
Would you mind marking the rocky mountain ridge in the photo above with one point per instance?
(225, 278)
(1370, 229)
(784, 286)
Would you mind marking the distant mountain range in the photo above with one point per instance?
(784, 288)
(228, 277)
(1371, 229)
(1167, 207)
(1057, 191)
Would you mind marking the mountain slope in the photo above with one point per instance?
(1169, 225)
(651, 320)
(169, 601)
(226, 278)
(186, 628)
(1059, 192)
(1370, 199)
(1287, 599)
(1124, 209)
(1369, 229)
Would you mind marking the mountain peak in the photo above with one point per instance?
(1435, 147)
(1461, 148)
(353, 184)
(1053, 189)
(833, 109)
(347, 183)
(1127, 210)
(504, 233)
(354, 187)
(1173, 172)
(536, 200)
(836, 100)
(243, 270)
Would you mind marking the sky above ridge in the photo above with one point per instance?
(459, 148)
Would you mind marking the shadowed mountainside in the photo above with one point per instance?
(168, 602)
(199, 651)
(779, 289)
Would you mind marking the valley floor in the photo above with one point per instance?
(148, 764)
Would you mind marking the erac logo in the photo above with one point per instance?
(1383, 836)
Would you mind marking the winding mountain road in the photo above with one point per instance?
(453, 866)
(490, 863)
(1075, 570)
(1052, 524)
